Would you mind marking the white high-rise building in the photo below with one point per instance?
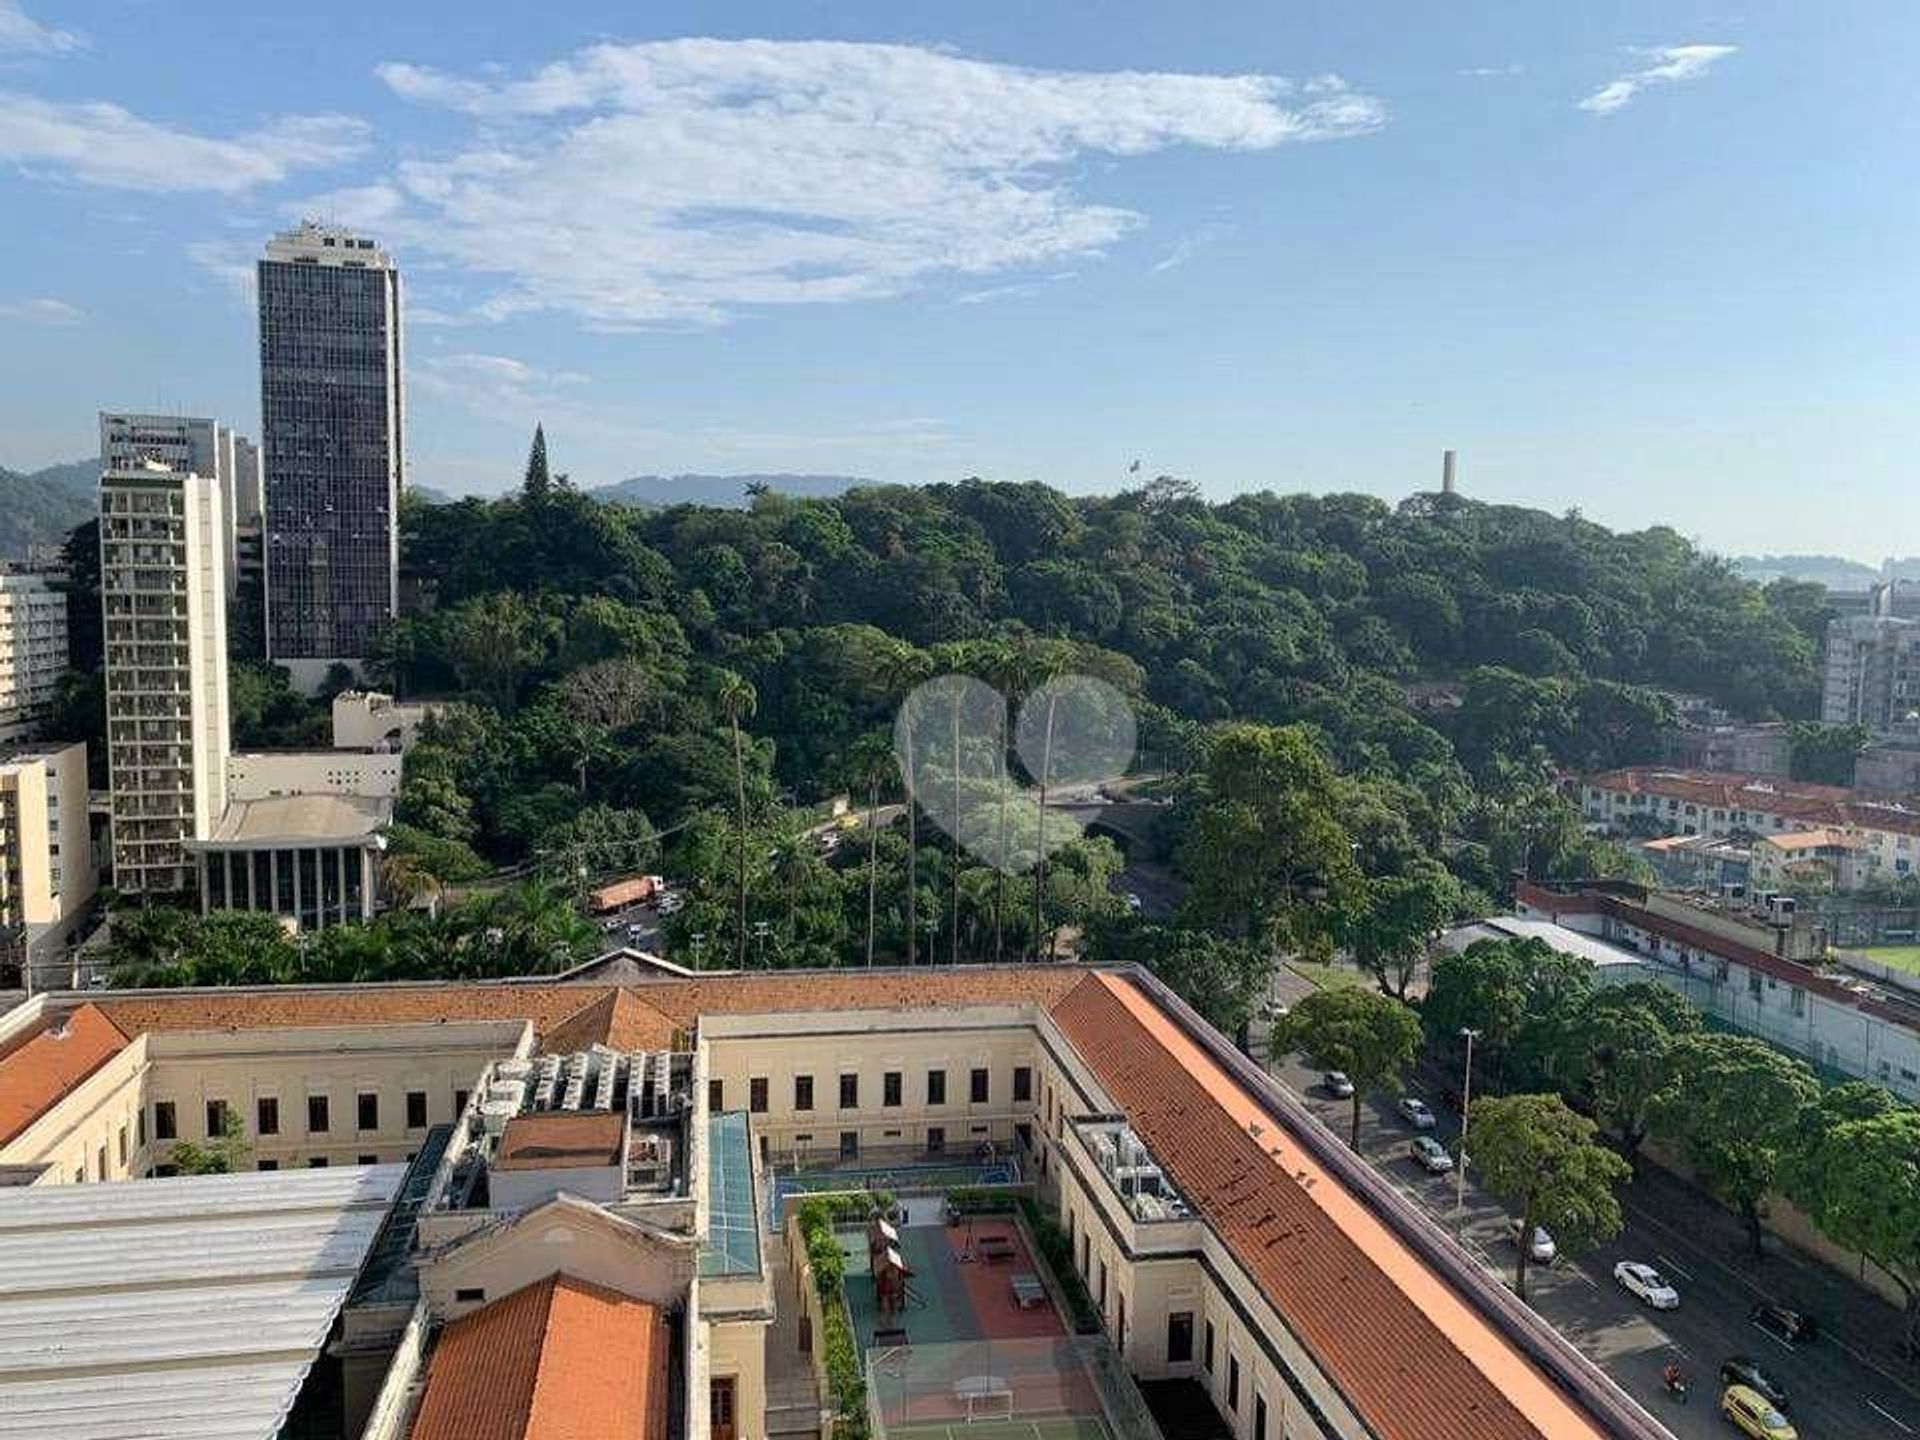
(33, 651)
(198, 446)
(1873, 675)
(163, 554)
(46, 852)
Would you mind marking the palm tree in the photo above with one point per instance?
(1046, 664)
(872, 758)
(408, 880)
(737, 698)
(1005, 668)
(903, 668)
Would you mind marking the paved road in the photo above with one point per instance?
(1848, 1383)
(1159, 889)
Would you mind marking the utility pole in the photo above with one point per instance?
(1466, 1111)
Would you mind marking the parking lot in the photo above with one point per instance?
(1847, 1383)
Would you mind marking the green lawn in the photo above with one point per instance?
(1901, 957)
(1327, 977)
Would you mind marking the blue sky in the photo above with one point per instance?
(1653, 261)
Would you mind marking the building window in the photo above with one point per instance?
(1206, 1355)
(140, 1128)
(1180, 1337)
(165, 1127)
(367, 1160)
(936, 1140)
(1024, 1134)
(890, 1088)
(122, 1144)
(1100, 1294)
(803, 1092)
(100, 1162)
(936, 1087)
(716, 1095)
(849, 1092)
(1259, 1417)
(469, 1295)
(1233, 1383)
(161, 1172)
(849, 1144)
(977, 1087)
(317, 1120)
(416, 1109)
(216, 1119)
(757, 1094)
(367, 1111)
(266, 1115)
(459, 1103)
(1022, 1083)
(267, 1165)
(317, 1162)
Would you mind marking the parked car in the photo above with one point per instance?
(1416, 1113)
(1646, 1284)
(636, 930)
(1745, 1370)
(671, 902)
(1272, 1011)
(611, 925)
(1542, 1249)
(1792, 1326)
(1431, 1155)
(1338, 1085)
(1752, 1414)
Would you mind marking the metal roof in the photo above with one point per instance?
(179, 1307)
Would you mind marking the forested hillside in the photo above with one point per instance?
(42, 507)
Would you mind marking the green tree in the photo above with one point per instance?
(222, 1154)
(1861, 1186)
(538, 483)
(1623, 1057)
(1825, 754)
(1736, 1112)
(1371, 1036)
(1266, 849)
(1397, 919)
(1542, 1158)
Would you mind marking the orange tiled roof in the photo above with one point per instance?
(36, 1074)
(559, 1360)
(559, 1142)
(1410, 1353)
(1815, 805)
(266, 1008)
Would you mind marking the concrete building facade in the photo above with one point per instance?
(1873, 675)
(332, 446)
(163, 587)
(33, 651)
(366, 719)
(47, 875)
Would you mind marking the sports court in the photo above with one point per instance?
(1034, 1389)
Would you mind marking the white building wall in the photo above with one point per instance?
(33, 651)
(259, 775)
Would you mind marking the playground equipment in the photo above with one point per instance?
(889, 1268)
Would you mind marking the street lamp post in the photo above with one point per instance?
(1466, 1112)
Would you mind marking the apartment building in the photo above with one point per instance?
(1873, 675)
(47, 876)
(332, 421)
(33, 651)
(601, 1178)
(1649, 799)
(163, 587)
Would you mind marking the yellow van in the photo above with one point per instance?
(1753, 1414)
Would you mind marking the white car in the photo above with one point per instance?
(1431, 1155)
(1646, 1284)
(1416, 1113)
(1542, 1249)
(1338, 1085)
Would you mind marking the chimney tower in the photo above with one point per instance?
(1446, 472)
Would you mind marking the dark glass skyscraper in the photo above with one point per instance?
(331, 420)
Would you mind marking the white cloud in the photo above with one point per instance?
(21, 34)
(681, 181)
(41, 310)
(96, 142)
(1491, 72)
(1667, 65)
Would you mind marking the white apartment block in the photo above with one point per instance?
(1873, 674)
(33, 651)
(163, 587)
(46, 853)
(1687, 802)
(193, 445)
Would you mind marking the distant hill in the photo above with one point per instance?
(427, 495)
(1836, 572)
(724, 490)
(39, 508)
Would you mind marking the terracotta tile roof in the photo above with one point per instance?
(267, 1008)
(928, 989)
(1408, 1350)
(615, 1018)
(1831, 805)
(36, 1074)
(560, 1360)
(562, 1141)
